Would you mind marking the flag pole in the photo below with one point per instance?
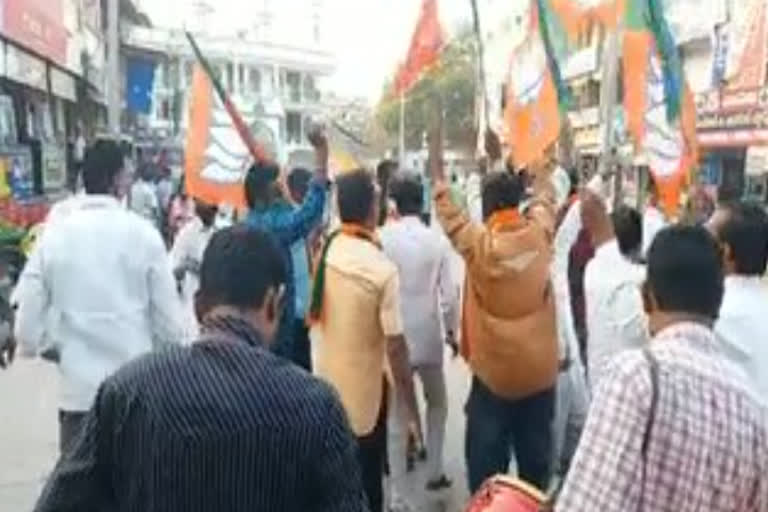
(608, 100)
(401, 152)
(254, 148)
(481, 59)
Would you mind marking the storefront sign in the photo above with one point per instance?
(757, 161)
(25, 68)
(38, 26)
(733, 138)
(63, 85)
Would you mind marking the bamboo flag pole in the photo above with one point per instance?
(481, 58)
(254, 148)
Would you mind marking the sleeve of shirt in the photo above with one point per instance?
(32, 300)
(606, 470)
(390, 315)
(292, 226)
(81, 479)
(460, 230)
(165, 309)
(335, 480)
(181, 246)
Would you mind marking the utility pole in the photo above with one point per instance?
(113, 67)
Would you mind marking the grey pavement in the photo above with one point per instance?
(29, 433)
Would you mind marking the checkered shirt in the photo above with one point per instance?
(708, 444)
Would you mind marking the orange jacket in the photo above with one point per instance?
(509, 335)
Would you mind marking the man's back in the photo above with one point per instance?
(222, 425)
(707, 444)
(743, 329)
(101, 277)
(421, 257)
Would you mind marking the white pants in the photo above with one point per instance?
(435, 395)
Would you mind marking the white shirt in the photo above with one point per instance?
(99, 285)
(144, 200)
(426, 288)
(653, 222)
(189, 246)
(616, 319)
(742, 329)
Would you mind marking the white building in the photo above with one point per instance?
(270, 66)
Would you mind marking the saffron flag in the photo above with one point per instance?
(216, 157)
(424, 52)
(537, 97)
(661, 115)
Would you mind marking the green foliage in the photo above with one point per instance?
(454, 80)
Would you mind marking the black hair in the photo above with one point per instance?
(298, 183)
(239, 266)
(575, 179)
(258, 183)
(355, 192)
(501, 190)
(101, 167)
(384, 173)
(746, 233)
(685, 271)
(408, 194)
(628, 225)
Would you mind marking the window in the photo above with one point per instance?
(310, 90)
(230, 83)
(188, 71)
(293, 131)
(254, 80)
(293, 86)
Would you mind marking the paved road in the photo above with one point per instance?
(28, 437)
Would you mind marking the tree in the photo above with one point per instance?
(454, 79)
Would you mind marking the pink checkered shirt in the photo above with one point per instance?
(708, 446)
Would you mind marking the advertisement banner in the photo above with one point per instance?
(37, 25)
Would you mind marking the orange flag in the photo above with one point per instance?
(424, 52)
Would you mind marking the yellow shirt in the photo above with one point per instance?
(360, 310)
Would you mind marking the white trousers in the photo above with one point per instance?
(433, 383)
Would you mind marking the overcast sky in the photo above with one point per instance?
(367, 36)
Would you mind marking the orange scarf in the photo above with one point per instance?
(508, 217)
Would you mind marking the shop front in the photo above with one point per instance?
(733, 134)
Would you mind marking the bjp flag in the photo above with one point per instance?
(537, 96)
(661, 115)
(216, 158)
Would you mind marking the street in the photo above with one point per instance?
(29, 429)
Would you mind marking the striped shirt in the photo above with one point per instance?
(707, 443)
(223, 425)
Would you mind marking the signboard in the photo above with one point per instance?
(37, 25)
(732, 118)
(54, 168)
(25, 68)
(63, 85)
(757, 161)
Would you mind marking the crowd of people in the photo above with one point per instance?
(270, 365)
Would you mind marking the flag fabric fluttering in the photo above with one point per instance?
(660, 111)
(537, 98)
(425, 48)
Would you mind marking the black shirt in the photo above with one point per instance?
(220, 426)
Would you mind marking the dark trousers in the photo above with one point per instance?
(301, 349)
(495, 426)
(372, 455)
(70, 424)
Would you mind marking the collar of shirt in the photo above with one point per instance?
(231, 327)
(94, 201)
(691, 332)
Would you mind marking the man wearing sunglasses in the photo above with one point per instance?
(222, 425)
